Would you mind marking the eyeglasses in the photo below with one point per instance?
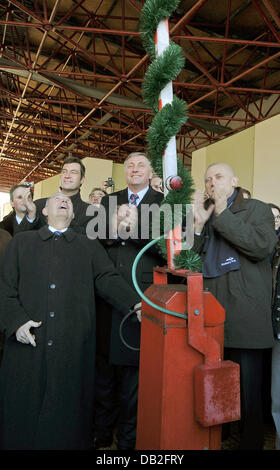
(277, 217)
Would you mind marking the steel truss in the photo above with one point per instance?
(70, 78)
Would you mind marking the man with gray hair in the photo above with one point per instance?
(117, 365)
(235, 237)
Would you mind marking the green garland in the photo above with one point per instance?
(162, 71)
(168, 121)
(152, 13)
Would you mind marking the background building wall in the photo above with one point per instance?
(254, 154)
(267, 161)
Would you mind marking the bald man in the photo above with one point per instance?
(235, 237)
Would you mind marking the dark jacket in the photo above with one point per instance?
(276, 290)
(46, 392)
(5, 237)
(78, 224)
(245, 294)
(9, 223)
(123, 253)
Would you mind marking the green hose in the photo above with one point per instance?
(148, 301)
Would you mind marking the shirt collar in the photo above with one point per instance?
(232, 198)
(140, 194)
(18, 219)
(45, 233)
(52, 229)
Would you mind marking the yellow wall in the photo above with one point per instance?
(198, 167)
(118, 176)
(236, 150)
(254, 154)
(46, 187)
(267, 161)
(97, 171)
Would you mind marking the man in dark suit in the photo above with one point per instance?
(117, 365)
(48, 280)
(71, 179)
(18, 195)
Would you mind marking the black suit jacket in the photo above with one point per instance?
(123, 253)
(9, 223)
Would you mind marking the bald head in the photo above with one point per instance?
(220, 177)
(59, 210)
(226, 167)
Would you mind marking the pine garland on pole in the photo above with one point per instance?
(167, 121)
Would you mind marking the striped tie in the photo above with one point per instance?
(133, 198)
(57, 234)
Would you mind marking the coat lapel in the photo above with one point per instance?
(122, 197)
(151, 196)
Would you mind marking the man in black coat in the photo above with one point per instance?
(71, 179)
(47, 285)
(235, 237)
(5, 237)
(12, 221)
(118, 365)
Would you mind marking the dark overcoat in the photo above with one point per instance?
(275, 261)
(123, 253)
(245, 294)
(5, 237)
(46, 391)
(79, 223)
(9, 223)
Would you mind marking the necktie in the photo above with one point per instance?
(57, 234)
(133, 198)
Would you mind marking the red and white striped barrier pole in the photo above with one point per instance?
(171, 181)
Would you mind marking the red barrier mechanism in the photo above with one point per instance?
(186, 390)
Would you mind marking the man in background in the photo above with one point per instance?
(18, 194)
(96, 195)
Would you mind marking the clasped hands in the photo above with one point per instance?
(125, 219)
(201, 215)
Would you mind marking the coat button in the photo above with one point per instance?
(277, 318)
(278, 336)
(50, 342)
(123, 243)
(52, 314)
(278, 309)
(52, 286)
